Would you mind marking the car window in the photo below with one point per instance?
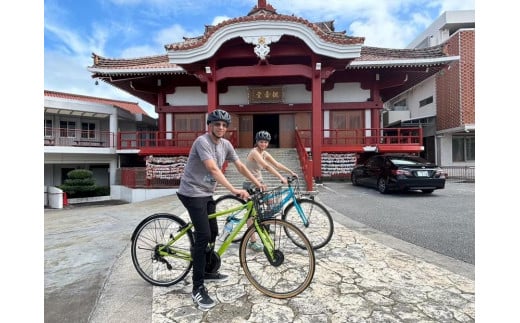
(375, 161)
(371, 162)
(408, 161)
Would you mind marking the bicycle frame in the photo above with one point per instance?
(289, 195)
(168, 250)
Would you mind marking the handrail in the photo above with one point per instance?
(350, 138)
(305, 161)
(157, 139)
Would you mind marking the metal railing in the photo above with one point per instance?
(157, 139)
(77, 138)
(460, 173)
(345, 139)
(332, 140)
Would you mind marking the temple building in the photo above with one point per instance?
(313, 88)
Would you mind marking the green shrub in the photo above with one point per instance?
(102, 191)
(80, 183)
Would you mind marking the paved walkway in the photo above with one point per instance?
(357, 279)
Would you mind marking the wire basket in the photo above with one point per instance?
(269, 204)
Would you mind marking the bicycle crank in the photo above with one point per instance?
(212, 262)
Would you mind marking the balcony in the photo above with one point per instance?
(179, 142)
(77, 138)
(367, 139)
(163, 142)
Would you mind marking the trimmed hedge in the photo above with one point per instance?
(80, 183)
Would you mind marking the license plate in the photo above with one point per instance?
(422, 173)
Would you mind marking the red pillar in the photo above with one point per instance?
(317, 122)
(162, 118)
(375, 114)
(212, 88)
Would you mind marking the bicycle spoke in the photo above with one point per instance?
(320, 226)
(154, 260)
(291, 270)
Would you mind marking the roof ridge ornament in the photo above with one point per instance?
(262, 7)
(262, 44)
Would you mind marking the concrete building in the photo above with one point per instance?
(444, 104)
(80, 132)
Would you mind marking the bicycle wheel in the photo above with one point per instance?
(320, 224)
(292, 269)
(227, 202)
(153, 234)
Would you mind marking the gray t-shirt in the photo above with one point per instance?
(196, 180)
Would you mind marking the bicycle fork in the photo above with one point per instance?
(301, 213)
(265, 237)
(274, 256)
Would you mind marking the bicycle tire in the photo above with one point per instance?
(321, 226)
(153, 232)
(227, 202)
(292, 271)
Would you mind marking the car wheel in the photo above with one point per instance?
(427, 191)
(354, 180)
(381, 186)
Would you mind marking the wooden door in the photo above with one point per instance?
(286, 131)
(245, 131)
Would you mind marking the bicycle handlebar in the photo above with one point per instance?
(292, 178)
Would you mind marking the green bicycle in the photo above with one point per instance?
(161, 250)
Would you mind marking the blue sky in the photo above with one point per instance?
(73, 29)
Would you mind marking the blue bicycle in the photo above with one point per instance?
(293, 205)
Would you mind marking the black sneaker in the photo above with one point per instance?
(215, 277)
(201, 297)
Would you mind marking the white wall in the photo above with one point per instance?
(292, 94)
(346, 92)
(118, 192)
(234, 95)
(187, 95)
(296, 93)
(421, 92)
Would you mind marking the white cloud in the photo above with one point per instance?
(219, 19)
(173, 34)
(139, 51)
(389, 23)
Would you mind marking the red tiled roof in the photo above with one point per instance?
(158, 64)
(132, 107)
(388, 54)
(324, 30)
(261, 12)
(150, 62)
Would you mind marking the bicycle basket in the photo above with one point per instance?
(269, 204)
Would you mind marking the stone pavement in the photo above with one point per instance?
(356, 280)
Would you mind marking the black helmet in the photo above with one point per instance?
(219, 115)
(263, 135)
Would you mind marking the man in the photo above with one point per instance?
(198, 183)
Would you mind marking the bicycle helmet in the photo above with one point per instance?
(263, 135)
(219, 115)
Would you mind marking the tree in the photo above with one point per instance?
(79, 183)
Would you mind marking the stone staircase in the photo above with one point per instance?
(287, 156)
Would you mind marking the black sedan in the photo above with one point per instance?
(398, 172)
